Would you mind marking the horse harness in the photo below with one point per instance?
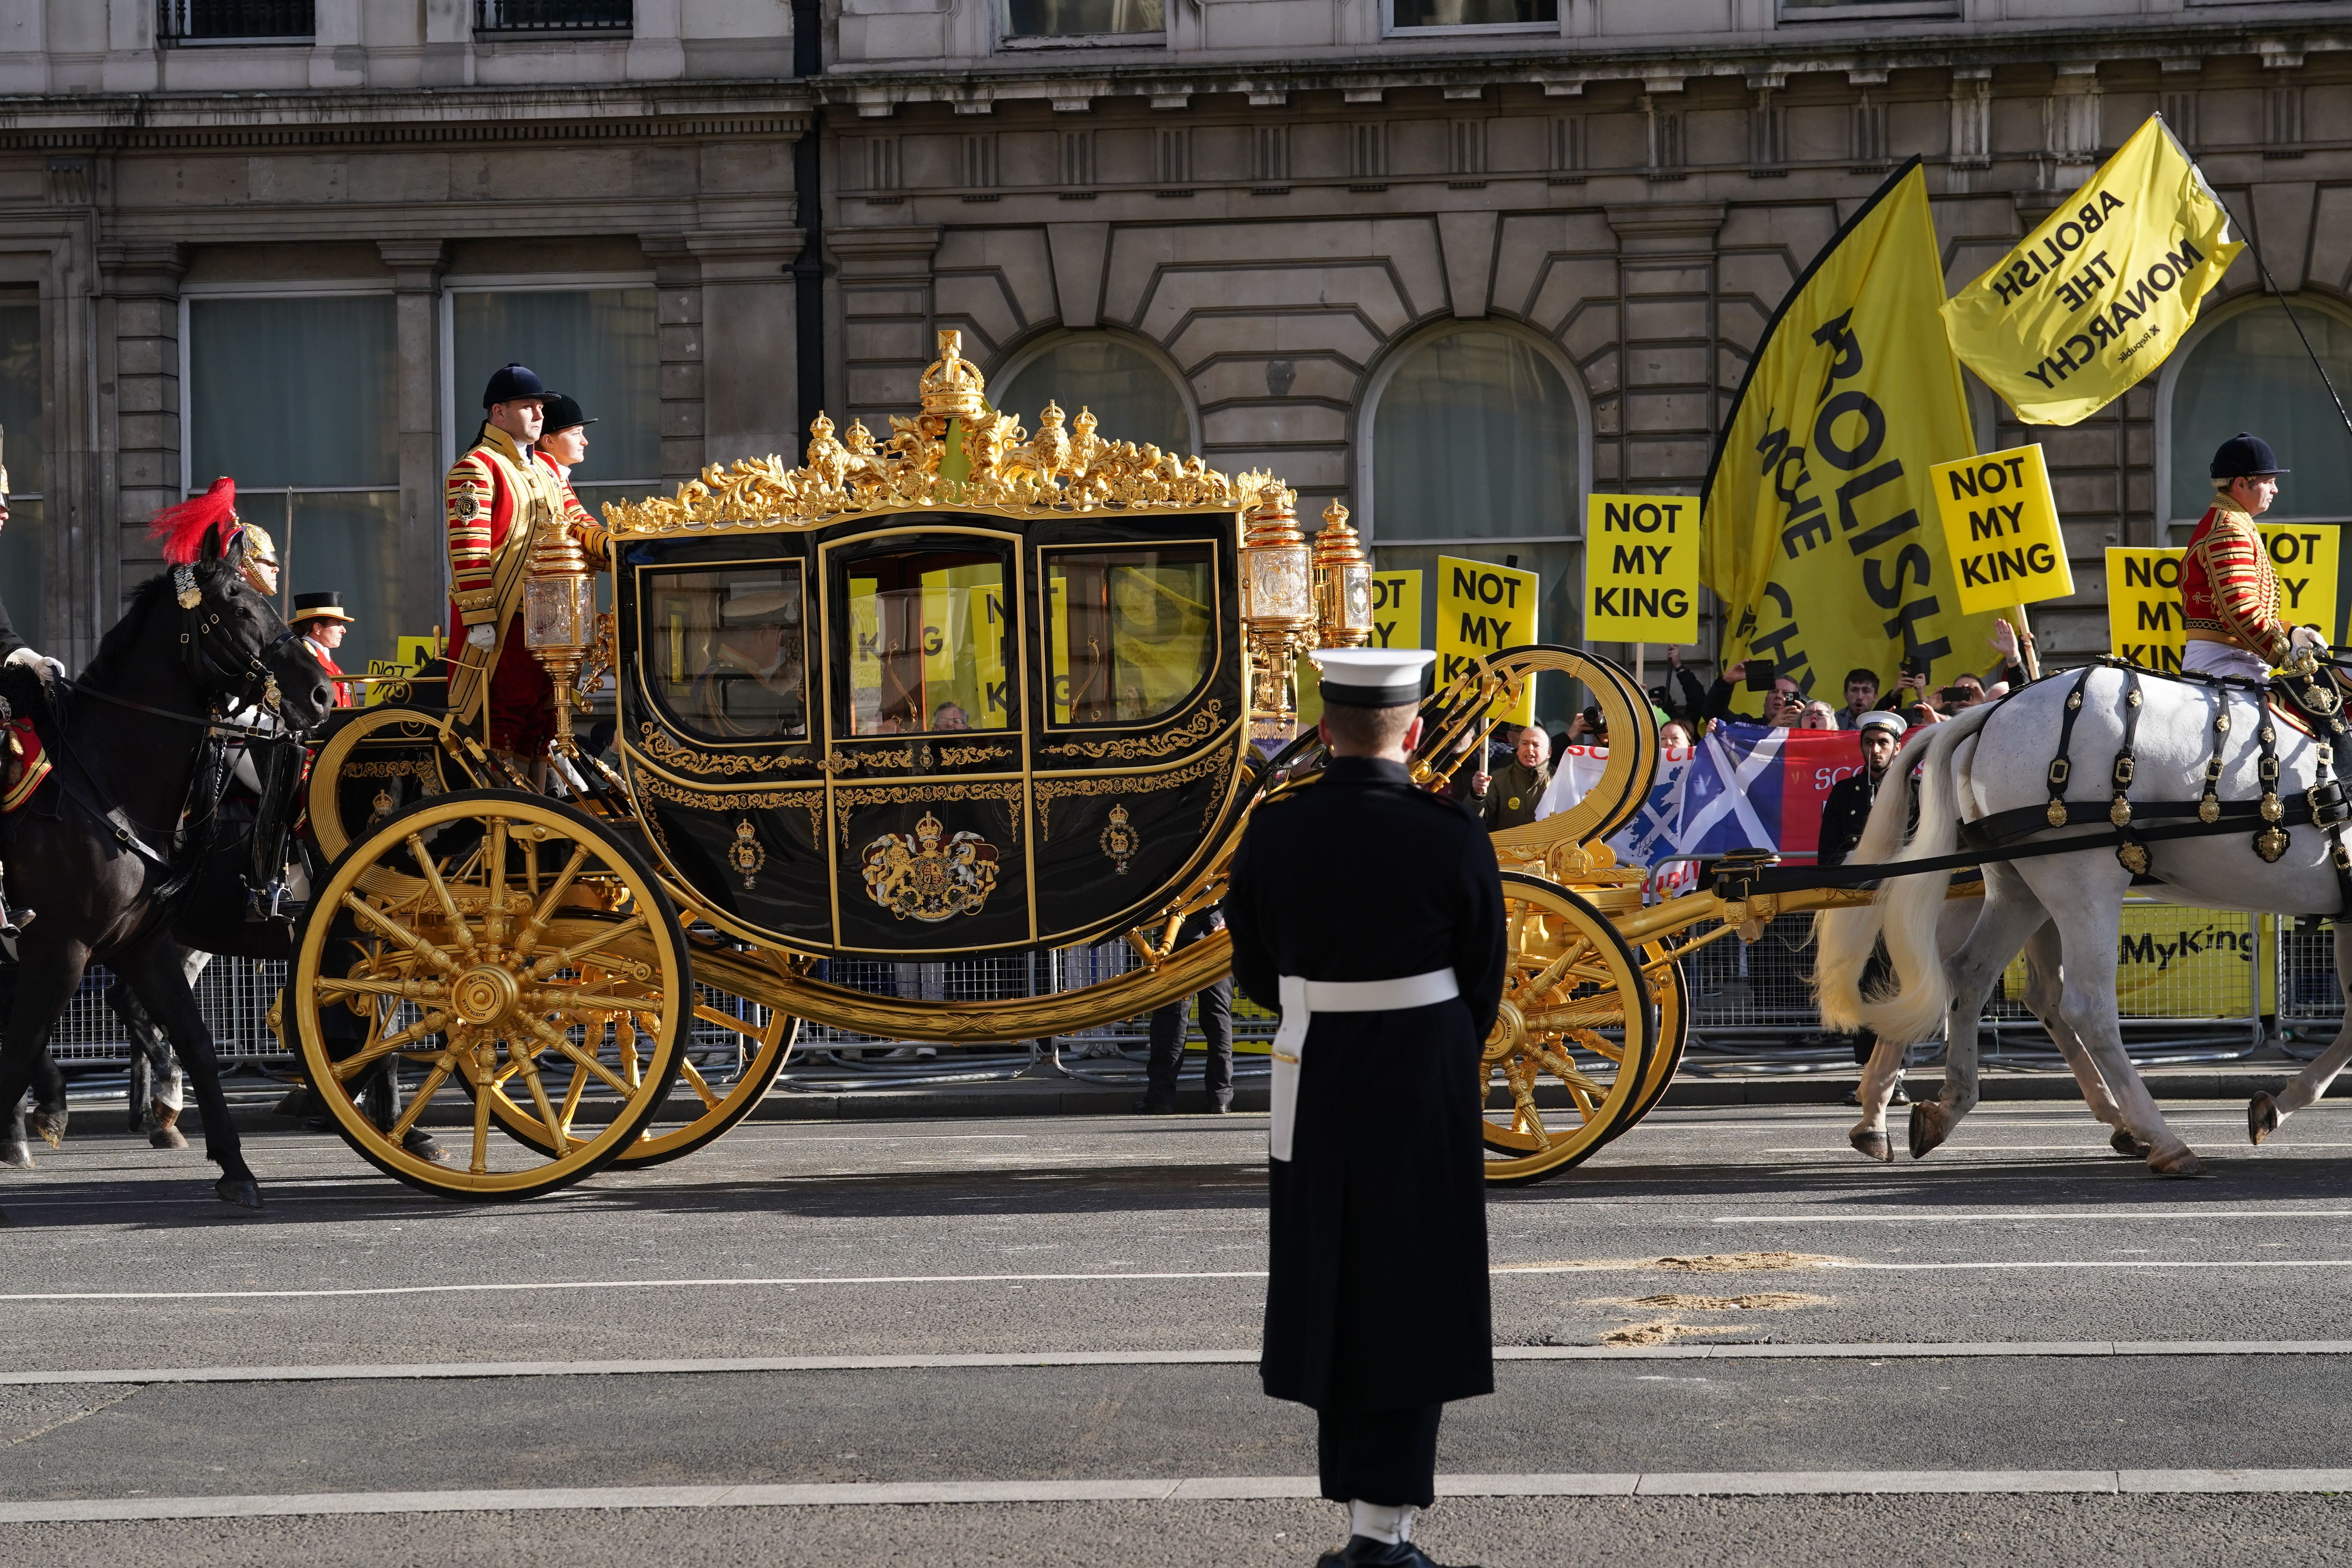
(2130, 827)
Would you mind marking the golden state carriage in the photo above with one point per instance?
(968, 691)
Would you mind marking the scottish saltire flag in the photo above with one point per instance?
(1742, 786)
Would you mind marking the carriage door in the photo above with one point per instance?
(927, 758)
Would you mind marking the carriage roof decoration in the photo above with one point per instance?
(958, 452)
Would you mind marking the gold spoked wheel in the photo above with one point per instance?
(492, 939)
(1577, 1013)
(1670, 994)
(705, 1103)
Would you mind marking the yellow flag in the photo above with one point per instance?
(1821, 531)
(2098, 296)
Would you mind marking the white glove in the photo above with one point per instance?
(2306, 637)
(482, 636)
(38, 661)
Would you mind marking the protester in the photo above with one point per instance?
(1509, 798)
(1675, 732)
(1692, 709)
(1861, 697)
(1783, 704)
(1818, 716)
(1167, 1058)
(1377, 1310)
(1843, 815)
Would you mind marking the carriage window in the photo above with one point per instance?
(1134, 632)
(725, 647)
(927, 643)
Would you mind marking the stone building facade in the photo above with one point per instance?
(1453, 263)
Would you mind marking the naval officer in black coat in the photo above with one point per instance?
(1370, 913)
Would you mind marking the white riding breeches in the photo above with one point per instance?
(2223, 658)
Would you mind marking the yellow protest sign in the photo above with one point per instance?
(1640, 568)
(1822, 538)
(2176, 963)
(2001, 524)
(1483, 609)
(2144, 591)
(2102, 291)
(1396, 609)
(2144, 606)
(409, 656)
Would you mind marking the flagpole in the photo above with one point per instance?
(2269, 282)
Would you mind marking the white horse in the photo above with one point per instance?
(1994, 759)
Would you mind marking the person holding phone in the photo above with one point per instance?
(1759, 676)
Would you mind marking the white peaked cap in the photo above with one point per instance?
(1372, 676)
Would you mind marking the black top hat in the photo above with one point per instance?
(327, 606)
(563, 413)
(512, 382)
(2242, 455)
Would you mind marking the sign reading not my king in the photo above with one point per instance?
(2001, 524)
(1641, 563)
(1482, 609)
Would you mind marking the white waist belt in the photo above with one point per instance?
(1302, 999)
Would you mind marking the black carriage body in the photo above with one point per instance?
(935, 732)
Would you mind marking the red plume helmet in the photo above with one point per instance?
(183, 530)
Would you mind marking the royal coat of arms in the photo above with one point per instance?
(1119, 839)
(930, 875)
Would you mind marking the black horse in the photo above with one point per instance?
(100, 852)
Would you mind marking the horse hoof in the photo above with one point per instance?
(425, 1146)
(15, 1157)
(242, 1190)
(1927, 1127)
(2262, 1118)
(2123, 1144)
(2184, 1163)
(1874, 1143)
(166, 1138)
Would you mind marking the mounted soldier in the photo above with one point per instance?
(14, 651)
(500, 494)
(2228, 589)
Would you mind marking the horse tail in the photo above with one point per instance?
(1903, 913)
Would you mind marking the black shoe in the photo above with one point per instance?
(1363, 1552)
(1151, 1105)
(1899, 1098)
(13, 921)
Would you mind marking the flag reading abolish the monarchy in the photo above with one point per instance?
(2102, 291)
(1820, 526)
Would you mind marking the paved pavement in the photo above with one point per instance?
(2023, 1316)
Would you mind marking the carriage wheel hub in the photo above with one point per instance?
(485, 993)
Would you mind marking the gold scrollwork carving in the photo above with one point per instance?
(1003, 466)
(664, 749)
(967, 756)
(1217, 765)
(810, 798)
(1127, 748)
(424, 770)
(844, 801)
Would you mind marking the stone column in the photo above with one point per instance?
(416, 268)
(140, 323)
(677, 293)
(884, 294)
(749, 348)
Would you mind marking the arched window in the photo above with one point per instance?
(1133, 396)
(1477, 451)
(2248, 371)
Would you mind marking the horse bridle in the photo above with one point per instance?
(204, 668)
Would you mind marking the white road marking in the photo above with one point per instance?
(1236, 1356)
(1914, 1216)
(901, 1494)
(2098, 1146)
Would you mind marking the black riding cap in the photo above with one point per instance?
(511, 384)
(563, 413)
(2243, 457)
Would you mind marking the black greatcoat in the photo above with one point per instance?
(1376, 1298)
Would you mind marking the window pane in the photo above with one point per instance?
(1076, 18)
(1473, 13)
(293, 392)
(596, 344)
(24, 563)
(20, 396)
(1134, 632)
(350, 543)
(2251, 374)
(1132, 398)
(1475, 439)
(725, 651)
(928, 632)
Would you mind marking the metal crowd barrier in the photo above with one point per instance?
(2310, 998)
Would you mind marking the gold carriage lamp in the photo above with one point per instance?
(1343, 582)
(559, 616)
(1277, 609)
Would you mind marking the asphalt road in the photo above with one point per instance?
(1921, 1289)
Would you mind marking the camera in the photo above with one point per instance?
(1594, 723)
